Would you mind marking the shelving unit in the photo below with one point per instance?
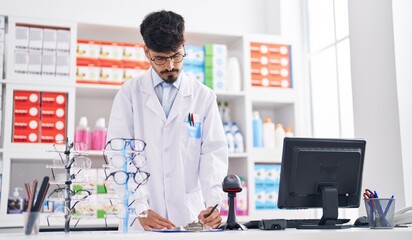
(95, 101)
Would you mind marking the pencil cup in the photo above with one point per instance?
(380, 212)
(31, 223)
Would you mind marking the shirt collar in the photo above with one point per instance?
(157, 80)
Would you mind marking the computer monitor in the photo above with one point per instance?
(321, 173)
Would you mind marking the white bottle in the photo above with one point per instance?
(230, 142)
(289, 132)
(233, 75)
(226, 112)
(279, 135)
(257, 130)
(268, 133)
(234, 128)
(239, 144)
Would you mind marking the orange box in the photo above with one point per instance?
(110, 51)
(111, 72)
(52, 136)
(53, 112)
(87, 71)
(132, 70)
(27, 98)
(26, 110)
(25, 123)
(26, 136)
(53, 99)
(88, 49)
(133, 52)
(270, 81)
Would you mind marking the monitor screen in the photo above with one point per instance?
(321, 173)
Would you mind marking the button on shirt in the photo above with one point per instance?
(166, 92)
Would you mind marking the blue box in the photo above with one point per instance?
(195, 55)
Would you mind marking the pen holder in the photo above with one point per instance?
(31, 223)
(380, 212)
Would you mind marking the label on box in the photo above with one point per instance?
(22, 37)
(36, 38)
(35, 58)
(133, 52)
(49, 39)
(62, 64)
(63, 40)
(48, 63)
(26, 98)
(21, 61)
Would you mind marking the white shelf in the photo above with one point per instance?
(272, 96)
(96, 90)
(238, 155)
(266, 155)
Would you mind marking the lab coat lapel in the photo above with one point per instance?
(152, 102)
(182, 99)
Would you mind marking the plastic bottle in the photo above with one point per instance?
(230, 142)
(257, 130)
(99, 135)
(234, 128)
(226, 112)
(239, 144)
(242, 199)
(268, 133)
(233, 75)
(279, 135)
(82, 137)
(289, 132)
(15, 203)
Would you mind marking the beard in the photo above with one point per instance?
(170, 78)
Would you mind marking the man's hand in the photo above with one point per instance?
(213, 220)
(155, 221)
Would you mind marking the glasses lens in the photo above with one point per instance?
(121, 177)
(117, 144)
(160, 61)
(141, 177)
(117, 160)
(178, 58)
(139, 161)
(137, 145)
(82, 162)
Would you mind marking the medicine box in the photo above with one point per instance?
(87, 71)
(63, 40)
(35, 59)
(88, 49)
(111, 51)
(49, 39)
(36, 38)
(22, 37)
(133, 52)
(48, 63)
(21, 61)
(62, 64)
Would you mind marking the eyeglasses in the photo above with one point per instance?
(122, 177)
(58, 194)
(177, 58)
(118, 160)
(120, 144)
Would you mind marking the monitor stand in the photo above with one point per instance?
(330, 210)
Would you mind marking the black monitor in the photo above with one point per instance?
(321, 173)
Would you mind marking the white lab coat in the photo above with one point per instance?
(186, 172)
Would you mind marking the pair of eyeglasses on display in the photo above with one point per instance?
(122, 144)
(122, 177)
(118, 160)
(59, 194)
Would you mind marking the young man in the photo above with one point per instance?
(178, 119)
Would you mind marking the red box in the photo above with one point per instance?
(53, 112)
(52, 136)
(27, 98)
(53, 99)
(26, 111)
(25, 136)
(24, 123)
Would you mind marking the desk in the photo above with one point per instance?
(288, 234)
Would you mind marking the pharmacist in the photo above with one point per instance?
(178, 119)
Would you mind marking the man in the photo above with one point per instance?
(179, 120)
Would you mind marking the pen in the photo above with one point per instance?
(388, 206)
(211, 211)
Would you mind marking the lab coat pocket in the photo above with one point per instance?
(195, 203)
(194, 131)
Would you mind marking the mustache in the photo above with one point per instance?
(168, 71)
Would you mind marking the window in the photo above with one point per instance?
(329, 66)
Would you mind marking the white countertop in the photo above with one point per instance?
(288, 234)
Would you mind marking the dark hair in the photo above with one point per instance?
(163, 31)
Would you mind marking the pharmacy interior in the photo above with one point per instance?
(60, 74)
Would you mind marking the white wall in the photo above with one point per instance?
(376, 112)
(214, 16)
(402, 19)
